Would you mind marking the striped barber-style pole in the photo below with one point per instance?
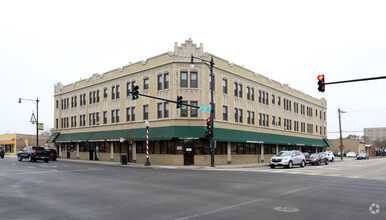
(147, 143)
(147, 162)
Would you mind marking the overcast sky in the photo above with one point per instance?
(45, 42)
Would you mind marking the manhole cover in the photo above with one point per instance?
(286, 209)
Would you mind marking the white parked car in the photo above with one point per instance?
(330, 156)
(288, 159)
(351, 154)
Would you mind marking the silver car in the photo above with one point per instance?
(288, 159)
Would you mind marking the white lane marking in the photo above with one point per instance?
(220, 209)
(13, 164)
(30, 167)
(61, 171)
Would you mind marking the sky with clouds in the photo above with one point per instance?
(46, 42)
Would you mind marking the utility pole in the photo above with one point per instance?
(340, 133)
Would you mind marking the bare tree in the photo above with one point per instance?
(381, 145)
(47, 132)
(353, 137)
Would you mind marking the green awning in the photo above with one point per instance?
(228, 135)
(191, 133)
(327, 142)
(166, 133)
(116, 135)
(53, 137)
(73, 137)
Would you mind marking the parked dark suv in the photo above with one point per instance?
(53, 153)
(2, 152)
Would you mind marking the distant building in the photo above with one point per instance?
(255, 116)
(374, 134)
(15, 142)
(352, 145)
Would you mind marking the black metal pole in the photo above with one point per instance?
(212, 149)
(37, 121)
(211, 145)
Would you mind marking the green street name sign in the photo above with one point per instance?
(204, 108)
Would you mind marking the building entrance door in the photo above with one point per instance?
(189, 155)
(91, 151)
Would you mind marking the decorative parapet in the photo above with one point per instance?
(58, 88)
(188, 48)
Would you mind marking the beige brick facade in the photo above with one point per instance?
(269, 101)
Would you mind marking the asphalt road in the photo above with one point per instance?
(70, 190)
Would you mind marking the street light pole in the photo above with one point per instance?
(147, 162)
(210, 65)
(340, 133)
(37, 116)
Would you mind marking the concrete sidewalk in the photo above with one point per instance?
(188, 167)
(137, 165)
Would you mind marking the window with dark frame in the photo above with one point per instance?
(240, 115)
(159, 82)
(193, 80)
(112, 92)
(166, 80)
(112, 116)
(105, 117)
(166, 110)
(184, 79)
(225, 113)
(128, 111)
(105, 92)
(146, 83)
(184, 109)
(133, 114)
(225, 86)
(193, 111)
(118, 91)
(159, 110)
(240, 90)
(145, 112)
(235, 91)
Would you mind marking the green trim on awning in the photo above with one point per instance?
(53, 137)
(73, 137)
(115, 135)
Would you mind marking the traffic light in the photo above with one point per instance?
(321, 83)
(134, 93)
(208, 124)
(179, 101)
(208, 132)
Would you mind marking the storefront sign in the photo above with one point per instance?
(179, 147)
(188, 149)
(41, 126)
(256, 142)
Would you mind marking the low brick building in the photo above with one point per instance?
(352, 145)
(12, 143)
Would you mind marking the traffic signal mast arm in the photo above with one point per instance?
(356, 80)
(167, 100)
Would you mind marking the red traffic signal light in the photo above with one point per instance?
(208, 124)
(321, 83)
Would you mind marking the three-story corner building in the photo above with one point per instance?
(255, 117)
